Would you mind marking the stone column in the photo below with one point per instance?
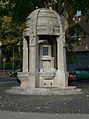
(62, 79)
(33, 53)
(32, 64)
(60, 55)
(23, 76)
(25, 55)
(33, 61)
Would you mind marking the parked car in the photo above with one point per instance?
(14, 74)
(71, 77)
(82, 73)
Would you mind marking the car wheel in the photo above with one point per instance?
(18, 81)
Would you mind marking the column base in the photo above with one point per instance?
(62, 79)
(24, 79)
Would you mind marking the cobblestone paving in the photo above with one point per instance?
(50, 104)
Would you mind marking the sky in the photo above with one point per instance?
(78, 13)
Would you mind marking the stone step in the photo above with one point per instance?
(45, 91)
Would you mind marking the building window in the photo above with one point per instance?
(45, 50)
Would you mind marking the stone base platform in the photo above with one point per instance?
(45, 91)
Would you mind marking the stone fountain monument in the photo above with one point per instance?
(44, 56)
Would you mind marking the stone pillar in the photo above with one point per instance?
(62, 78)
(60, 54)
(25, 55)
(33, 60)
(33, 53)
(24, 76)
(32, 65)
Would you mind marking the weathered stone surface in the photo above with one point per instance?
(47, 22)
(44, 57)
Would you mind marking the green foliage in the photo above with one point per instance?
(71, 57)
(23, 8)
(10, 33)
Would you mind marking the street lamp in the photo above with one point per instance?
(0, 48)
(0, 53)
(4, 65)
(13, 58)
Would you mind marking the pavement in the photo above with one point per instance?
(16, 106)
(32, 115)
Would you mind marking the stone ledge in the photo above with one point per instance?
(45, 91)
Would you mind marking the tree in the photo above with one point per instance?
(14, 12)
(10, 33)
